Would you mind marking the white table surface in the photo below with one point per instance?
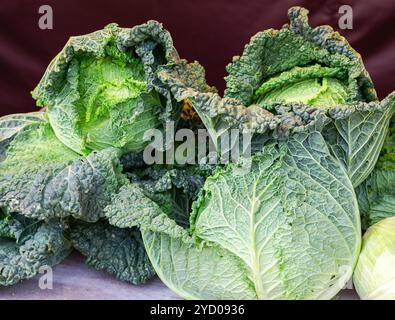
(73, 280)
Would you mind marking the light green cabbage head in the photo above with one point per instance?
(374, 275)
(109, 89)
(102, 91)
(312, 85)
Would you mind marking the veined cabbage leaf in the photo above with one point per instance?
(11, 124)
(288, 228)
(355, 132)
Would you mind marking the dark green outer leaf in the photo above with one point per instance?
(18, 227)
(173, 190)
(118, 251)
(45, 247)
(49, 180)
(376, 197)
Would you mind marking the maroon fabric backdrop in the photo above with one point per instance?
(210, 31)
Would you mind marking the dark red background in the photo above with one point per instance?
(210, 31)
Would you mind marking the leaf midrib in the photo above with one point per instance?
(255, 264)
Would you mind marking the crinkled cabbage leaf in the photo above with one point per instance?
(118, 251)
(355, 132)
(376, 195)
(42, 178)
(26, 245)
(277, 64)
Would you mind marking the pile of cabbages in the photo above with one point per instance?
(283, 221)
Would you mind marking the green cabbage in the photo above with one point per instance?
(64, 165)
(303, 70)
(305, 95)
(101, 90)
(374, 275)
(41, 178)
(276, 59)
(313, 85)
(288, 228)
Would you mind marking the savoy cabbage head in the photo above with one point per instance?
(258, 234)
(298, 63)
(316, 68)
(102, 91)
(291, 78)
(102, 94)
